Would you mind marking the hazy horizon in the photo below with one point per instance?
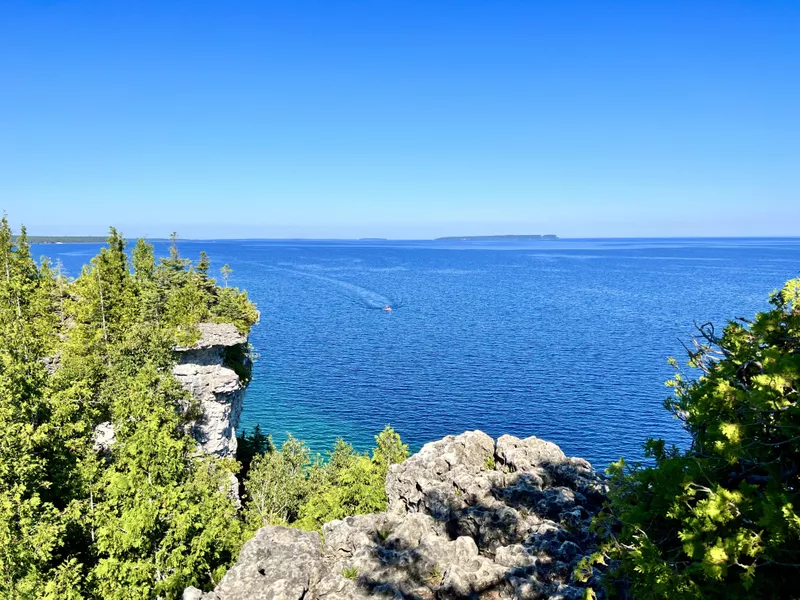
(420, 239)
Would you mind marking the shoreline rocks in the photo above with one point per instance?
(468, 518)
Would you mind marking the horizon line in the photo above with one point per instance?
(101, 238)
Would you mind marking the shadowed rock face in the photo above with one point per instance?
(202, 371)
(468, 518)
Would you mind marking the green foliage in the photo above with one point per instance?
(248, 446)
(720, 520)
(150, 518)
(292, 487)
(351, 483)
(389, 450)
(350, 573)
(147, 517)
(277, 484)
(435, 576)
(237, 358)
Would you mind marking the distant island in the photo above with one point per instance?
(498, 238)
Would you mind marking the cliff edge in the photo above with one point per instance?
(468, 517)
(208, 371)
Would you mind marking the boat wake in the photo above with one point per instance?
(356, 294)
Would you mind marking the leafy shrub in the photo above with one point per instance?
(720, 520)
(277, 484)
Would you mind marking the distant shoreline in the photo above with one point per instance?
(75, 239)
(497, 238)
(93, 239)
(64, 239)
(47, 240)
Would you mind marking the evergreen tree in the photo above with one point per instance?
(149, 518)
(146, 517)
(30, 527)
(720, 520)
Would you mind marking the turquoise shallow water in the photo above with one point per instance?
(565, 340)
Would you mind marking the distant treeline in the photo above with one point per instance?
(65, 239)
(484, 238)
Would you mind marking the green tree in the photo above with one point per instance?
(389, 450)
(226, 272)
(248, 446)
(149, 517)
(30, 524)
(721, 519)
(351, 483)
(278, 484)
(161, 519)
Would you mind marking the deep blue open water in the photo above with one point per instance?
(565, 340)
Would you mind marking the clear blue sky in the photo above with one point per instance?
(400, 118)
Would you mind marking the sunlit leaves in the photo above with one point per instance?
(291, 487)
(149, 517)
(718, 521)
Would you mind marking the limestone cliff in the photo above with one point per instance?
(208, 370)
(468, 517)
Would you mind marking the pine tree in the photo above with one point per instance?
(148, 517)
(30, 527)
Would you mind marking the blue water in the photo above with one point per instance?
(565, 340)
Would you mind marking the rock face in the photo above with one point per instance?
(468, 518)
(204, 371)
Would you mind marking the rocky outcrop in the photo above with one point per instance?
(207, 371)
(103, 438)
(468, 517)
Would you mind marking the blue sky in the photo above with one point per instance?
(400, 118)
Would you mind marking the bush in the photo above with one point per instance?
(720, 520)
(291, 487)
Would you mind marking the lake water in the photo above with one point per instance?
(565, 340)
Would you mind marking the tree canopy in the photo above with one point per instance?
(149, 517)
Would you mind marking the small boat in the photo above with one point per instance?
(387, 308)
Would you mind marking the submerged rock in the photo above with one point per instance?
(468, 518)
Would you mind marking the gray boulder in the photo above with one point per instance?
(279, 563)
(103, 438)
(467, 519)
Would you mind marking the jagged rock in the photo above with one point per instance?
(444, 476)
(192, 593)
(278, 562)
(528, 454)
(104, 437)
(467, 519)
(218, 389)
(215, 335)
(51, 363)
